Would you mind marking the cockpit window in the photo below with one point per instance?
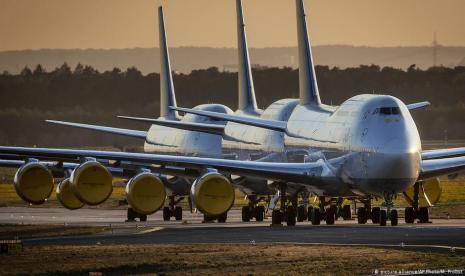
(387, 111)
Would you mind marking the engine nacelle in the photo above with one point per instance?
(33, 183)
(145, 193)
(213, 194)
(66, 196)
(91, 183)
(432, 189)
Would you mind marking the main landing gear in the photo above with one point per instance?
(416, 212)
(172, 210)
(221, 218)
(132, 215)
(329, 211)
(286, 212)
(253, 210)
(376, 214)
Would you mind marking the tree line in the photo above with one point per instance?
(83, 94)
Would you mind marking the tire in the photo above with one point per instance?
(276, 217)
(290, 216)
(245, 214)
(375, 215)
(330, 216)
(131, 214)
(316, 216)
(409, 215)
(178, 213)
(223, 217)
(423, 214)
(143, 217)
(362, 215)
(309, 213)
(166, 213)
(382, 217)
(346, 212)
(259, 213)
(394, 218)
(301, 213)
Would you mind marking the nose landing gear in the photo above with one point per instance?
(172, 210)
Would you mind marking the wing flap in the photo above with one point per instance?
(120, 131)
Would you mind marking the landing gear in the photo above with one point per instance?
(362, 215)
(421, 213)
(375, 215)
(382, 217)
(389, 213)
(221, 218)
(252, 210)
(172, 210)
(290, 216)
(132, 215)
(346, 212)
(287, 211)
(301, 213)
(316, 216)
(394, 218)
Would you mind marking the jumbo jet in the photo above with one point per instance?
(367, 147)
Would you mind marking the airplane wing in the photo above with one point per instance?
(121, 131)
(252, 121)
(445, 166)
(418, 105)
(200, 127)
(289, 172)
(442, 153)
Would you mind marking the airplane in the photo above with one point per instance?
(367, 147)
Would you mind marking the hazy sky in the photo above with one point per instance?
(34, 24)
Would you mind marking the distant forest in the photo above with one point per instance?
(82, 94)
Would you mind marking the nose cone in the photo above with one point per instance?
(401, 158)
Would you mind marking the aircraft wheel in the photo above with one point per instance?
(290, 216)
(316, 216)
(245, 214)
(131, 214)
(166, 213)
(423, 214)
(346, 212)
(259, 213)
(330, 215)
(223, 217)
(276, 217)
(143, 217)
(409, 215)
(394, 218)
(301, 213)
(362, 215)
(309, 213)
(375, 215)
(178, 213)
(382, 217)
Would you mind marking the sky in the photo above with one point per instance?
(115, 24)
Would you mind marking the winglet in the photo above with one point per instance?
(247, 101)
(308, 87)
(167, 96)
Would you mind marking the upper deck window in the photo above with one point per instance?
(387, 111)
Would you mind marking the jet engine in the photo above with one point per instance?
(428, 195)
(66, 196)
(213, 194)
(33, 183)
(91, 183)
(145, 193)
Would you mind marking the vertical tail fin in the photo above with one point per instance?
(308, 87)
(247, 101)
(167, 96)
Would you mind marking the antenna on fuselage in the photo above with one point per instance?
(247, 101)
(167, 96)
(308, 87)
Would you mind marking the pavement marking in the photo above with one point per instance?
(154, 229)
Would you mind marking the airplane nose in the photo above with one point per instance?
(401, 158)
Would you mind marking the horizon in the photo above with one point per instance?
(48, 24)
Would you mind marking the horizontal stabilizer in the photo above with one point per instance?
(120, 131)
(251, 121)
(200, 127)
(418, 105)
